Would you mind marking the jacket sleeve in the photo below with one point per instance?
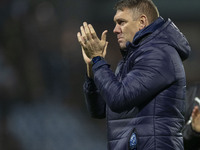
(94, 102)
(151, 73)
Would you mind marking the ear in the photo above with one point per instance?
(143, 22)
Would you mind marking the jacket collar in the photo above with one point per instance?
(142, 34)
(148, 30)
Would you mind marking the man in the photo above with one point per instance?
(144, 100)
(191, 131)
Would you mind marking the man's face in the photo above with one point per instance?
(126, 26)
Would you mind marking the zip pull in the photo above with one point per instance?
(133, 142)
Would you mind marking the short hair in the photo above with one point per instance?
(146, 7)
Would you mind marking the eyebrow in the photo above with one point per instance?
(119, 19)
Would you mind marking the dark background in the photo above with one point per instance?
(42, 71)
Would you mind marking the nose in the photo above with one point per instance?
(116, 29)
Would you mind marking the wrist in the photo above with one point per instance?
(89, 70)
(96, 59)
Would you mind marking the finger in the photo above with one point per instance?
(87, 31)
(198, 111)
(106, 45)
(105, 49)
(195, 111)
(92, 31)
(103, 36)
(80, 39)
(83, 33)
(83, 52)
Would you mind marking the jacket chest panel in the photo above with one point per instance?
(126, 66)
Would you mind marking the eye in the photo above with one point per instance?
(121, 22)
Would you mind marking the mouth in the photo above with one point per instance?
(119, 39)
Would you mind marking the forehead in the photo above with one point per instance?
(123, 14)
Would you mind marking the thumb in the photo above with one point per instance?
(105, 50)
(103, 36)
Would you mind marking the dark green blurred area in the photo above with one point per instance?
(42, 71)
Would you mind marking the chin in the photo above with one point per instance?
(122, 46)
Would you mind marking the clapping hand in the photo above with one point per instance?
(91, 45)
(196, 119)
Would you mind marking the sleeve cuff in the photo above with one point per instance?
(89, 84)
(99, 64)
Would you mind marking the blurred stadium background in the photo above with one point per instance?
(42, 71)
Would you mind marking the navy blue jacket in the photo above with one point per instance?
(146, 94)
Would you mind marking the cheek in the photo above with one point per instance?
(133, 29)
(130, 32)
(130, 35)
(133, 34)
